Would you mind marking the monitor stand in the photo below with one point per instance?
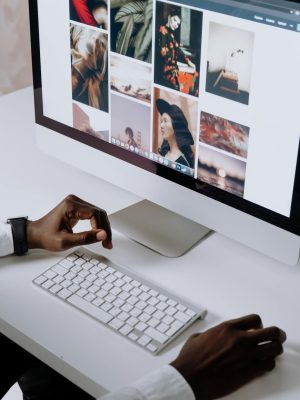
(157, 228)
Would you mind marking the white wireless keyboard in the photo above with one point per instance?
(138, 310)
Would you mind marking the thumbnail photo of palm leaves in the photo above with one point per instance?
(131, 28)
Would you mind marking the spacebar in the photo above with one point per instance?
(90, 309)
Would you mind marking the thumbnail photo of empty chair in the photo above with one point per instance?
(222, 171)
(229, 62)
(90, 12)
(89, 66)
(224, 134)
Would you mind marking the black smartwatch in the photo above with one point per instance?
(18, 227)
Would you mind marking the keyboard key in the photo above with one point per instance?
(134, 292)
(171, 311)
(48, 284)
(89, 297)
(116, 323)
(93, 289)
(73, 288)
(58, 279)
(41, 279)
(66, 263)
(153, 322)
(76, 269)
(64, 294)
(162, 327)
(168, 320)
(182, 317)
(82, 292)
(171, 302)
(144, 340)
(132, 321)
(59, 270)
(127, 305)
(77, 280)
(191, 313)
(151, 347)
(98, 301)
(66, 283)
(144, 317)
(144, 296)
(50, 274)
(162, 297)
(132, 336)
(162, 306)
(79, 261)
(56, 288)
(115, 311)
(141, 326)
(123, 316)
(153, 301)
(172, 331)
(135, 312)
(106, 306)
(96, 312)
(126, 329)
(150, 310)
(91, 277)
(72, 257)
(159, 314)
(115, 291)
(156, 335)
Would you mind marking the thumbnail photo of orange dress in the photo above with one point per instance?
(178, 34)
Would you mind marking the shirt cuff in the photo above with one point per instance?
(6, 240)
(164, 384)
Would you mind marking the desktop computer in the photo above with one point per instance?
(192, 105)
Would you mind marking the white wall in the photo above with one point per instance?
(15, 62)
(223, 41)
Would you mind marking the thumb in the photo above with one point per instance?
(83, 238)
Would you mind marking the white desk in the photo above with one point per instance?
(230, 280)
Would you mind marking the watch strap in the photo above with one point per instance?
(18, 227)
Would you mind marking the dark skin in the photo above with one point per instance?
(221, 360)
(215, 363)
(54, 231)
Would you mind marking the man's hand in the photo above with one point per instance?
(54, 231)
(222, 359)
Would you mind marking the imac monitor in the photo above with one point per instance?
(191, 104)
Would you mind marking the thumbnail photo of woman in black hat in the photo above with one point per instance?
(177, 139)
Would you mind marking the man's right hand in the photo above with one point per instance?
(224, 358)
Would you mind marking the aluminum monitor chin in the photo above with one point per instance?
(191, 105)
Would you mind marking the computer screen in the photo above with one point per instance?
(203, 93)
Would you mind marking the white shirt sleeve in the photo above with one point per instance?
(164, 384)
(6, 239)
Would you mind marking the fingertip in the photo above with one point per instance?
(107, 244)
(101, 236)
(283, 336)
